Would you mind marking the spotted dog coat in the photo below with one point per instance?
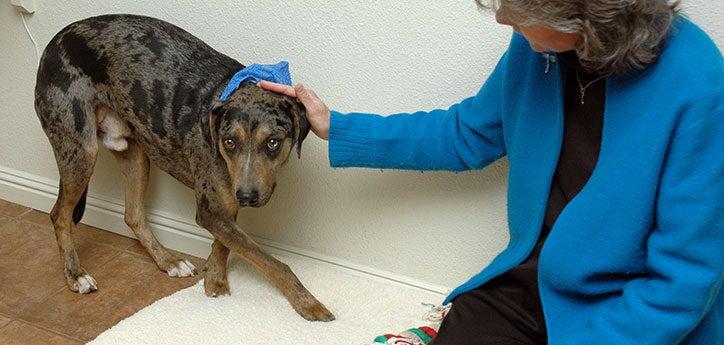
(148, 91)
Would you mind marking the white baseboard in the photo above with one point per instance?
(184, 236)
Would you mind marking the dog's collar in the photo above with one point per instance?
(278, 73)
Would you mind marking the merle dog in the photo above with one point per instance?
(148, 91)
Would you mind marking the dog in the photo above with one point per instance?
(149, 92)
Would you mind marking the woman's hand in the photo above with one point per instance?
(317, 112)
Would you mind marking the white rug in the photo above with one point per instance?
(256, 313)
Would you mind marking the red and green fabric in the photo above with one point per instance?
(414, 336)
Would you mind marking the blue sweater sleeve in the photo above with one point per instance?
(466, 136)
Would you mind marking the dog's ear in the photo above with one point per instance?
(301, 125)
(214, 122)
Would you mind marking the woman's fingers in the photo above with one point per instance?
(317, 112)
(305, 96)
(278, 88)
(310, 99)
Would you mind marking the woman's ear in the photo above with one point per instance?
(301, 125)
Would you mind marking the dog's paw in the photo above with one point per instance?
(315, 311)
(216, 288)
(84, 284)
(181, 268)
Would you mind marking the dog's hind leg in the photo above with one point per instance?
(215, 280)
(66, 212)
(135, 167)
(75, 155)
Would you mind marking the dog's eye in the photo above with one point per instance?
(229, 144)
(272, 144)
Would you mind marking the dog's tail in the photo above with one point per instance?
(80, 207)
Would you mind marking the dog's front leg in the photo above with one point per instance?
(227, 233)
(215, 281)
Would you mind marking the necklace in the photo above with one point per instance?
(583, 88)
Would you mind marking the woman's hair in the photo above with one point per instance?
(618, 35)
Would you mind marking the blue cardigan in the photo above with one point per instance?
(637, 257)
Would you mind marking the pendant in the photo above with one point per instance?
(550, 59)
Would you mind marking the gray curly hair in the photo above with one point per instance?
(618, 35)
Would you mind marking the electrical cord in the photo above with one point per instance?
(35, 44)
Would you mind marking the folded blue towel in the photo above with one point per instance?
(278, 73)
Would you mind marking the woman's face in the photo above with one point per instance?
(541, 38)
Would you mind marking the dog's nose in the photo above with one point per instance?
(248, 197)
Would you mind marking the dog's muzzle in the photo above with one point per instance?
(248, 197)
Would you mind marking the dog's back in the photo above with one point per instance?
(118, 76)
(114, 49)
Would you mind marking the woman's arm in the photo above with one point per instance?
(468, 135)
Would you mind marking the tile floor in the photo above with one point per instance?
(35, 305)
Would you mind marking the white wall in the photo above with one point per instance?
(374, 56)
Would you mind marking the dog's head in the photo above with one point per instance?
(255, 131)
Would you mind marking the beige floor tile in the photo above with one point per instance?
(20, 333)
(102, 236)
(126, 285)
(5, 220)
(31, 265)
(4, 321)
(138, 249)
(15, 234)
(10, 209)
(37, 217)
(82, 230)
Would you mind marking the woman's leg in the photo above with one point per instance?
(478, 317)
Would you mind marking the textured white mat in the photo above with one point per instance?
(256, 313)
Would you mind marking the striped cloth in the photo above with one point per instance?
(422, 335)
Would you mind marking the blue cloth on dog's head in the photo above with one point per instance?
(278, 73)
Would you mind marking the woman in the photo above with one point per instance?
(634, 253)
